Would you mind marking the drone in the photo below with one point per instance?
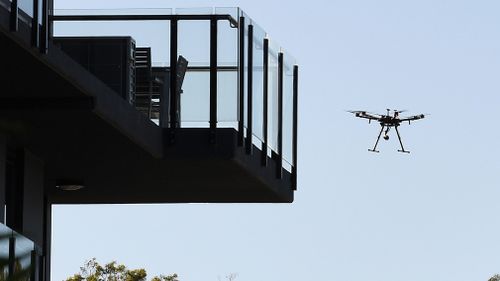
(387, 121)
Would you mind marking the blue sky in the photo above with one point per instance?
(430, 215)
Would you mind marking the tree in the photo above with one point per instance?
(495, 277)
(93, 271)
(230, 276)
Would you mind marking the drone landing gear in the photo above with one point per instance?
(386, 137)
(378, 138)
(400, 142)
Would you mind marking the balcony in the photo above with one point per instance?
(18, 256)
(205, 111)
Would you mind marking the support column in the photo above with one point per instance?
(14, 189)
(35, 24)
(241, 80)
(295, 124)
(248, 142)
(3, 167)
(279, 162)
(213, 79)
(47, 224)
(44, 32)
(174, 117)
(33, 193)
(14, 15)
(265, 104)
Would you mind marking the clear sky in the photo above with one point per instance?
(431, 215)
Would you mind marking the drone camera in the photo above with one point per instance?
(386, 137)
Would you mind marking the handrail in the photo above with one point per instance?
(233, 22)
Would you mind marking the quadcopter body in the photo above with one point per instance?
(387, 121)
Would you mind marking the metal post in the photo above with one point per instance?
(44, 34)
(295, 125)
(248, 142)
(12, 256)
(14, 16)
(174, 121)
(213, 79)
(279, 164)
(33, 265)
(47, 234)
(34, 24)
(41, 268)
(265, 105)
(241, 80)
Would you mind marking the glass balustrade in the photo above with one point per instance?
(26, 6)
(258, 84)
(235, 76)
(15, 255)
(227, 75)
(273, 96)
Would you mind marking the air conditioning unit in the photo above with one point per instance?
(111, 59)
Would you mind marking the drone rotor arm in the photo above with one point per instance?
(365, 115)
(412, 118)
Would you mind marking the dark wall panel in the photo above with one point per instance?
(3, 159)
(33, 198)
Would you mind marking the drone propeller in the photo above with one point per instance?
(396, 110)
(361, 111)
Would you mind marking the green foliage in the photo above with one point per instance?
(93, 271)
(172, 277)
(495, 277)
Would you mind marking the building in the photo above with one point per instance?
(93, 115)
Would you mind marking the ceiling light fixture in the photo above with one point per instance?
(67, 185)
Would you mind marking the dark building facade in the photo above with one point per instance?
(202, 110)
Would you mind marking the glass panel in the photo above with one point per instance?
(147, 35)
(154, 34)
(288, 65)
(194, 11)
(233, 12)
(273, 96)
(287, 166)
(23, 249)
(22, 254)
(227, 44)
(227, 75)
(26, 6)
(227, 99)
(5, 234)
(258, 83)
(194, 42)
(194, 45)
(40, 12)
